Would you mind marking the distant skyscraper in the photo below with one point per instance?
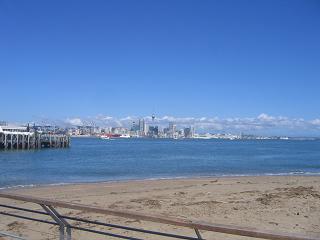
(192, 132)
(142, 127)
(136, 127)
(153, 131)
(172, 129)
(133, 126)
(187, 132)
(141, 123)
(145, 129)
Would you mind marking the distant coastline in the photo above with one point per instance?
(216, 138)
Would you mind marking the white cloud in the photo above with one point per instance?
(265, 117)
(103, 118)
(129, 118)
(74, 121)
(316, 121)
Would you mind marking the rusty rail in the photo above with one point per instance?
(60, 220)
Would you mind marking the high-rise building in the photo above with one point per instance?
(134, 127)
(142, 128)
(145, 129)
(192, 132)
(153, 131)
(187, 132)
(172, 130)
(141, 121)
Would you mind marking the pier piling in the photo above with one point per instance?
(20, 138)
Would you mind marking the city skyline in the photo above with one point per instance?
(263, 124)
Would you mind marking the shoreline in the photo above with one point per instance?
(31, 186)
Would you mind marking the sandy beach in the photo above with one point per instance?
(279, 203)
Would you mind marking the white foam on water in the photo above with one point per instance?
(296, 173)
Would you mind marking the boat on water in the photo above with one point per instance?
(105, 137)
(124, 136)
(109, 136)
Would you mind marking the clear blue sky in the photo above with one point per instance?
(183, 58)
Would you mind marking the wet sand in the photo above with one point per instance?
(279, 203)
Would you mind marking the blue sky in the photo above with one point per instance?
(224, 59)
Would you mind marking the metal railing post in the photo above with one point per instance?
(63, 224)
(198, 234)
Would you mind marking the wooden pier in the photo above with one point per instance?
(22, 138)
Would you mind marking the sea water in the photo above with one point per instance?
(96, 160)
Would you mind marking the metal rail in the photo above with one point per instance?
(5, 234)
(88, 221)
(66, 227)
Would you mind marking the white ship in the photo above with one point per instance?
(105, 137)
(124, 136)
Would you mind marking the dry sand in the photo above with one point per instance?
(279, 203)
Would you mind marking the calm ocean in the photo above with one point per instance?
(94, 160)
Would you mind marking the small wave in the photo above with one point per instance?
(32, 185)
(295, 173)
(19, 186)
